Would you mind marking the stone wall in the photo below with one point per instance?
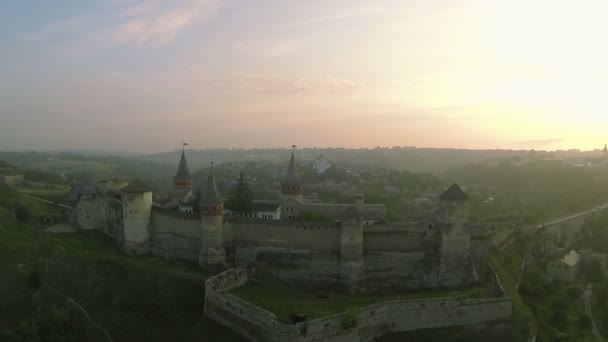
(389, 238)
(363, 324)
(114, 226)
(323, 237)
(386, 270)
(91, 212)
(175, 237)
(297, 267)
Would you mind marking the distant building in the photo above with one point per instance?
(321, 164)
(565, 268)
(12, 180)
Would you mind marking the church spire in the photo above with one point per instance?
(211, 202)
(605, 150)
(183, 178)
(292, 184)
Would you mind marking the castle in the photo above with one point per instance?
(353, 250)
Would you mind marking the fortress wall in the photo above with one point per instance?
(243, 317)
(568, 231)
(386, 270)
(362, 324)
(302, 235)
(114, 226)
(395, 238)
(174, 237)
(297, 267)
(91, 213)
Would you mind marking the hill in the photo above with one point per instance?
(79, 286)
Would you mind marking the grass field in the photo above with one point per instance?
(133, 299)
(283, 300)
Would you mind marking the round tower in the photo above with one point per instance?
(212, 256)
(455, 235)
(137, 210)
(183, 178)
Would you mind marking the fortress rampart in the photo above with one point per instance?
(362, 324)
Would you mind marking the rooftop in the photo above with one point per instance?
(454, 193)
(183, 173)
(571, 258)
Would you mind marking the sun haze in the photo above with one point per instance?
(142, 75)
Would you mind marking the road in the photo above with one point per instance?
(573, 216)
(47, 201)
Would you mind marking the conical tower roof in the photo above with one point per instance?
(292, 178)
(210, 196)
(183, 173)
(454, 193)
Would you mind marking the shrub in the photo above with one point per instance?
(22, 213)
(559, 320)
(573, 292)
(34, 280)
(584, 322)
(349, 320)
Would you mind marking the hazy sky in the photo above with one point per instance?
(144, 74)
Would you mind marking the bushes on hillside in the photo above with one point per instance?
(22, 213)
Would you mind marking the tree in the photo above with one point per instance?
(34, 280)
(22, 213)
(241, 197)
(559, 320)
(584, 322)
(594, 272)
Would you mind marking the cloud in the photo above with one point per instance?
(160, 25)
(140, 8)
(348, 14)
(275, 84)
(55, 28)
(146, 22)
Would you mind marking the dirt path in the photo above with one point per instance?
(47, 201)
(70, 299)
(587, 293)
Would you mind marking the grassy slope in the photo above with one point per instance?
(133, 298)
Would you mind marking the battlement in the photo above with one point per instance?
(304, 225)
(358, 324)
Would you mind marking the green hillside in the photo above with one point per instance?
(47, 278)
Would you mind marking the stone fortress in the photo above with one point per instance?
(354, 250)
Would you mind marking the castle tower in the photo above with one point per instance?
(351, 247)
(292, 186)
(212, 256)
(292, 190)
(183, 178)
(455, 235)
(137, 210)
